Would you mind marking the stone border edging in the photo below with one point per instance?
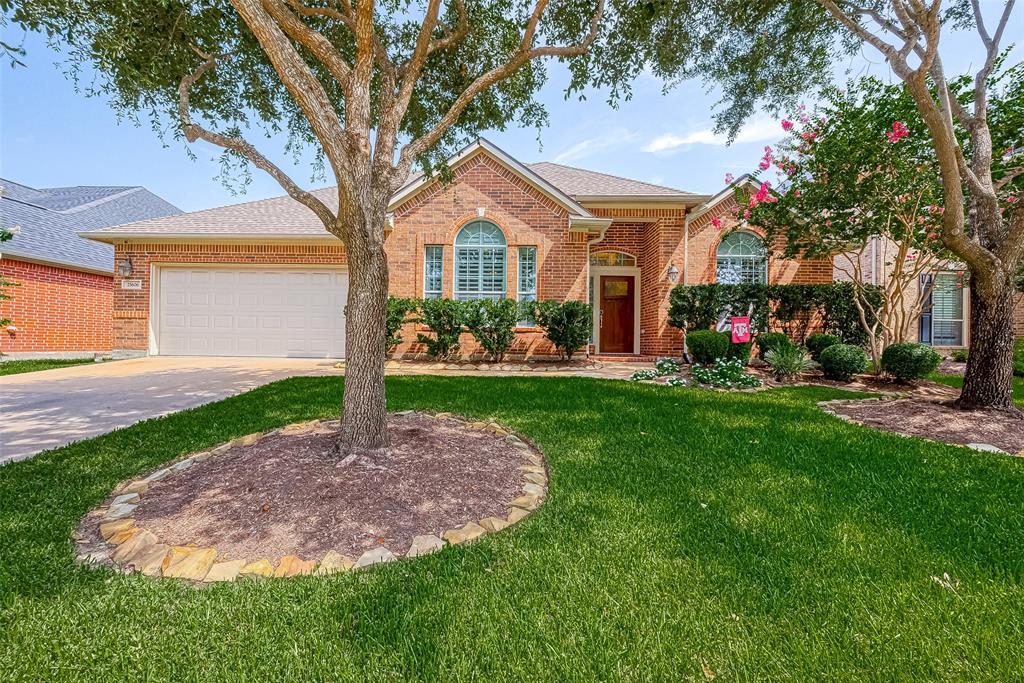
(130, 548)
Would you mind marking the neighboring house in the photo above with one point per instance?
(265, 279)
(63, 299)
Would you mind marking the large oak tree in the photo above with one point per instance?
(372, 86)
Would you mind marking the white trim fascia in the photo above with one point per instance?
(55, 263)
(224, 238)
(681, 200)
(589, 224)
(506, 160)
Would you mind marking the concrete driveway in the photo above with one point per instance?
(41, 410)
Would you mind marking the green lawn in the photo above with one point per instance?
(687, 535)
(958, 382)
(15, 367)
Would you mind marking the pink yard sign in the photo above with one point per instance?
(740, 330)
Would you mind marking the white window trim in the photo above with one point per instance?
(480, 247)
(440, 292)
(964, 303)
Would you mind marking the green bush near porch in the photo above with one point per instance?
(748, 536)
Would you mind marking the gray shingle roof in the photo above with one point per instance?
(579, 182)
(48, 220)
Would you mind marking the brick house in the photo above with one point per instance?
(265, 279)
(63, 295)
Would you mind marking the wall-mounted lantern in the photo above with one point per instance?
(673, 273)
(124, 267)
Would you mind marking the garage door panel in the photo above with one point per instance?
(252, 312)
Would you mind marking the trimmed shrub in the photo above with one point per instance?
(1018, 357)
(909, 360)
(398, 312)
(445, 318)
(706, 346)
(768, 341)
(566, 323)
(817, 343)
(740, 352)
(843, 361)
(726, 374)
(492, 324)
(958, 355)
(788, 362)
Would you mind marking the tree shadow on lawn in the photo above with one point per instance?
(666, 505)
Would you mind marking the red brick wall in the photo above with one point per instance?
(1018, 316)
(131, 306)
(55, 309)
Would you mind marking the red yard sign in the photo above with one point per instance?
(740, 330)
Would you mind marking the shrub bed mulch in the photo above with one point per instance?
(938, 421)
(286, 499)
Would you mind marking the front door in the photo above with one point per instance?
(617, 313)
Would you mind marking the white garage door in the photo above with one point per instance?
(209, 311)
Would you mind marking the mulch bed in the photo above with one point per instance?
(938, 421)
(286, 495)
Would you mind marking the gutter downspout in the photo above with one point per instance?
(686, 248)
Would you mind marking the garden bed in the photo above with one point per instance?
(482, 365)
(284, 501)
(938, 421)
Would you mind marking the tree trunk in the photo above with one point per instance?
(988, 382)
(364, 407)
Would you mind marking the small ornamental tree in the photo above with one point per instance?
(372, 87)
(856, 181)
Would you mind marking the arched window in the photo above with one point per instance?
(480, 262)
(612, 258)
(741, 258)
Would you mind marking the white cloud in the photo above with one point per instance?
(758, 130)
(591, 146)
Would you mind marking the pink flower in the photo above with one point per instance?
(796, 193)
(746, 213)
(717, 222)
(899, 131)
(1011, 199)
(787, 124)
(766, 160)
(729, 179)
(809, 136)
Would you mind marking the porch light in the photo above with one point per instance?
(673, 273)
(124, 267)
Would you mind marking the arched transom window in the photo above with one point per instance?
(741, 258)
(612, 258)
(480, 262)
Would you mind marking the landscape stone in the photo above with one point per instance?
(224, 571)
(182, 466)
(130, 548)
(533, 489)
(532, 468)
(119, 512)
(493, 523)
(248, 439)
(332, 563)
(200, 457)
(528, 502)
(193, 566)
(424, 545)
(516, 515)
(223, 448)
(986, 447)
(375, 556)
(149, 560)
(176, 554)
(535, 459)
(291, 565)
(108, 529)
(139, 486)
(125, 498)
(258, 568)
(158, 475)
(464, 534)
(538, 478)
(123, 535)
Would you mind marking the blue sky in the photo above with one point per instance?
(51, 135)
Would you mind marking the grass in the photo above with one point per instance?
(16, 367)
(687, 535)
(958, 382)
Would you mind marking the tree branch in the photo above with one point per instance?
(525, 53)
(194, 131)
(312, 40)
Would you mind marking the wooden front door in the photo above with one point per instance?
(617, 313)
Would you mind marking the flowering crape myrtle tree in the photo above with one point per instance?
(372, 86)
(770, 51)
(848, 174)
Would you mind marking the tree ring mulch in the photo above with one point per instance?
(938, 421)
(279, 504)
